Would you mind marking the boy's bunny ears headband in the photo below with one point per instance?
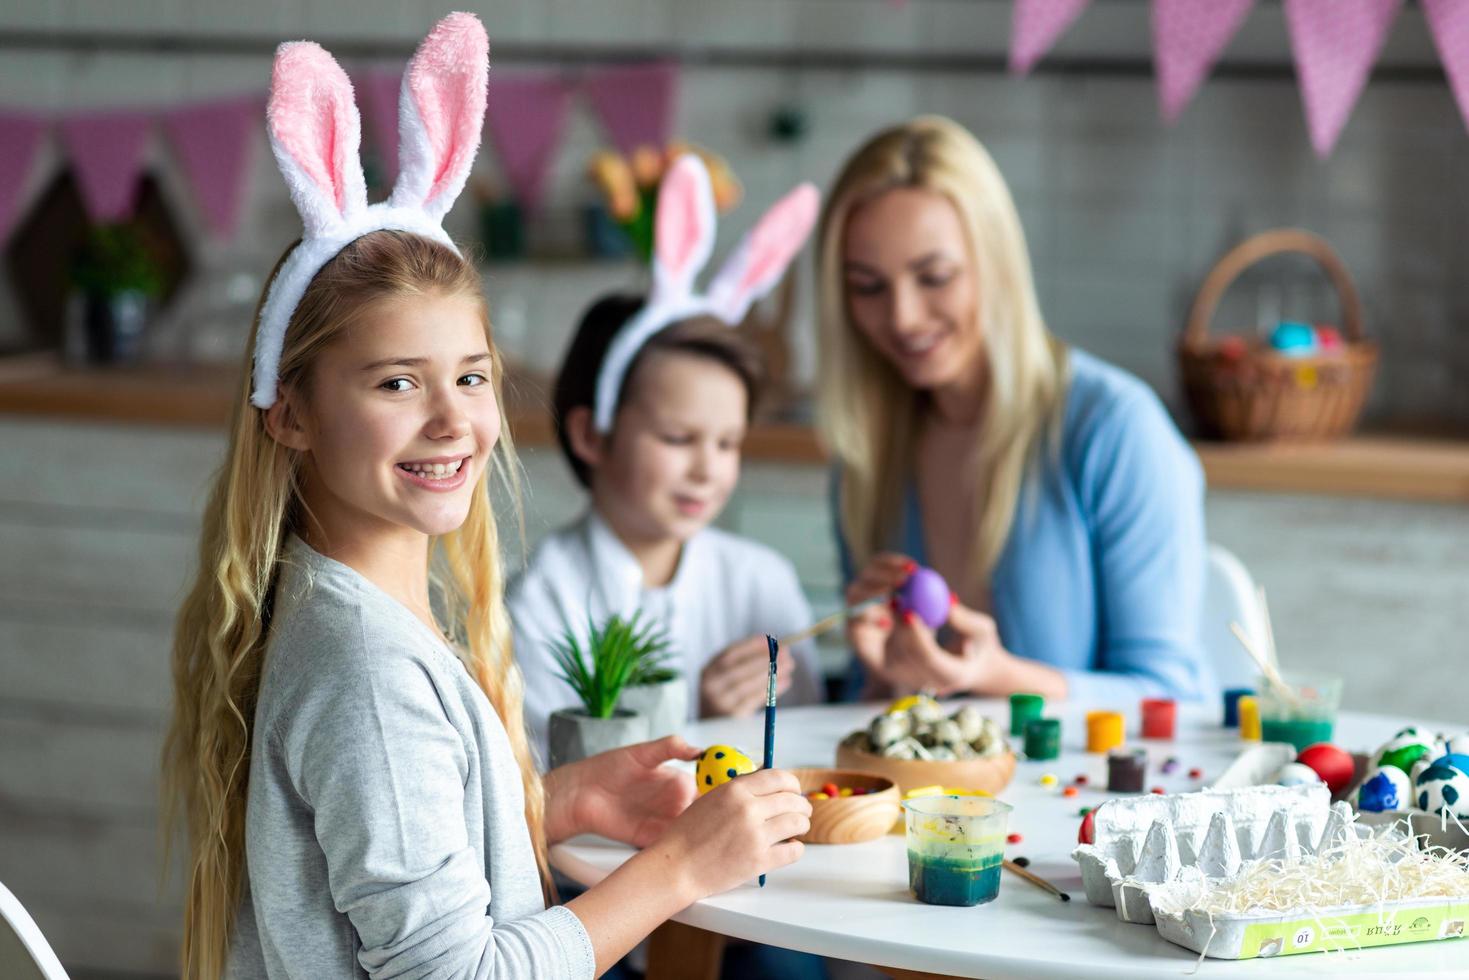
(315, 131)
(683, 237)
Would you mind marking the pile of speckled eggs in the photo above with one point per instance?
(917, 727)
(1418, 770)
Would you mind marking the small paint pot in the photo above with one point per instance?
(1042, 738)
(1127, 771)
(1024, 708)
(1159, 717)
(1105, 730)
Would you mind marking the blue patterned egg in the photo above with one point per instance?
(1385, 788)
(1443, 789)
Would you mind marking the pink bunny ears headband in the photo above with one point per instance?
(315, 131)
(683, 237)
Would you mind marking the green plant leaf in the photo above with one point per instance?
(620, 652)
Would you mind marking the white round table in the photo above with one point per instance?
(852, 901)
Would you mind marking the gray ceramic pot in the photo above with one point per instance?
(574, 734)
(665, 705)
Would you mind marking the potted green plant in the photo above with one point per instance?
(118, 277)
(598, 671)
(656, 690)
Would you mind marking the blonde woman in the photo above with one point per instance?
(1051, 490)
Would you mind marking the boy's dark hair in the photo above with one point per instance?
(576, 383)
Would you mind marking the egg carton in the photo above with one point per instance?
(1268, 934)
(1141, 843)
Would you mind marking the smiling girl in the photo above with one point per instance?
(347, 746)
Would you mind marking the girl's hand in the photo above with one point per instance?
(733, 683)
(735, 832)
(972, 662)
(868, 631)
(626, 794)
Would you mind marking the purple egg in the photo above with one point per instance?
(926, 595)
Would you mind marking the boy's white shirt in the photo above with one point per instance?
(725, 589)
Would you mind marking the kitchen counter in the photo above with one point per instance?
(200, 396)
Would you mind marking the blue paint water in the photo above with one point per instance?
(937, 881)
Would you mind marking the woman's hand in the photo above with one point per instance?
(973, 661)
(868, 631)
(734, 833)
(733, 684)
(626, 794)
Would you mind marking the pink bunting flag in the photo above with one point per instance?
(20, 137)
(525, 115)
(1035, 25)
(212, 142)
(1335, 43)
(377, 100)
(1188, 37)
(635, 103)
(1448, 21)
(106, 151)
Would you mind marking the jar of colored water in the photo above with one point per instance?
(1302, 716)
(955, 847)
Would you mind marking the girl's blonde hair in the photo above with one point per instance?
(870, 416)
(223, 627)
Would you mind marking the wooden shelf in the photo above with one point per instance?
(198, 396)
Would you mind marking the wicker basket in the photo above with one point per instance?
(1239, 388)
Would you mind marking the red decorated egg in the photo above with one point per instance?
(1333, 765)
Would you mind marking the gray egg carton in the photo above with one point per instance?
(1140, 843)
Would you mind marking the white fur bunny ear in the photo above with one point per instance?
(315, 133)
(683, 231)
(441, 110)
(762, 257)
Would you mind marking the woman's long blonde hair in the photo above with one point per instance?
(223, 626)
(870, 417)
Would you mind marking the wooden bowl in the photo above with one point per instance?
(991, 773)
(849, 819)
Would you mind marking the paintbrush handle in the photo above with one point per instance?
(829, 622)
(1036, 880)
(769, 760)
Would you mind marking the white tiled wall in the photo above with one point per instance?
(1124, 215)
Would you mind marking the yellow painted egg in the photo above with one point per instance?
(718, 764)
(909, 703)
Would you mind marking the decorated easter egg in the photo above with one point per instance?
(1458, 760)
(1443, 789)
(926, 595)
(1458, 745)
(1334, 766)
(1385, 788)
(718, 764)
(1297, 774)
(908, 703)
(1405, 748)
(1294, 338)
(1087, 834)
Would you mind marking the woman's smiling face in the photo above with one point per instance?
(401, 417)
(910, 286)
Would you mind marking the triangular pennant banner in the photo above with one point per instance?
(635, 103)
(525, 115)
(20, 136)
(1034, 27)
(1448, 21)
(212, 142)
(1335, 43)
(1188, 37)
(377, 98)
(106, 150)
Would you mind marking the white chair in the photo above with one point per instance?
(24, 952)
(1230, 597)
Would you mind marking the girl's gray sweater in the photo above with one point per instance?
(385, 829)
